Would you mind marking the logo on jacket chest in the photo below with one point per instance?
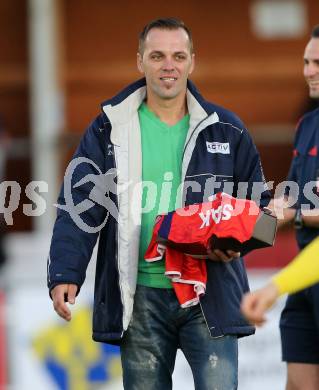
(218, 147)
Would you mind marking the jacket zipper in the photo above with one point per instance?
(116, 239)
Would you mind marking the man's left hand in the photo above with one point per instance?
(218, 255)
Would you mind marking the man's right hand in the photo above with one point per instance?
(58, 295)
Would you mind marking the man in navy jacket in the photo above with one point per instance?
(102, 198)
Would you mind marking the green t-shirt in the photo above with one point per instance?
(162, 150)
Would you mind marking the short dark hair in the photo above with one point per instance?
(315, 32)
(165, 24)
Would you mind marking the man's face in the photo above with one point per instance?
(166, 62)
(311, 67)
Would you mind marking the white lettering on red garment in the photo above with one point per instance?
(227, 209)
(216, 215)
(205, 219)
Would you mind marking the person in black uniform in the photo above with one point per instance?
(299, 323)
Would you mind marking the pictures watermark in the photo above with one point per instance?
(10, 195)
(90, 197)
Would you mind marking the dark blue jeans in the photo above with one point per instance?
(159, 327)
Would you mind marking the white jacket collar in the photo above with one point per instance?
(123, 112)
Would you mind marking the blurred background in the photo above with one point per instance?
(59, 59)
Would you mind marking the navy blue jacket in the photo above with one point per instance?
(304, 170)
(104, 180)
